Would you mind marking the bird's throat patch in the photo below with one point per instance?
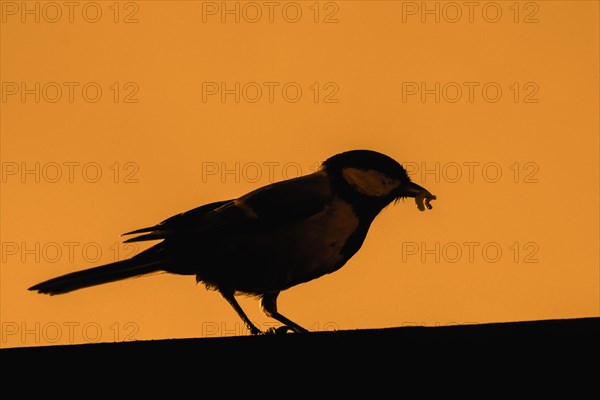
(370, 182)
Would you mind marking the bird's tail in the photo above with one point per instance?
(135, 266)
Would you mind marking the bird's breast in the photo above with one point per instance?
(305, 249)
(327, 233)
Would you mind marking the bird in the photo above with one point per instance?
(268, 240)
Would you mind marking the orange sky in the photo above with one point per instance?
(114, 118)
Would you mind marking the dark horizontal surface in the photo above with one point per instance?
(532, 333)
(498, 351)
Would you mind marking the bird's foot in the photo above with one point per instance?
(254, 331)
(279, 330)
(271, 331)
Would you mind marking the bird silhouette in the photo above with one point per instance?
(270, 239)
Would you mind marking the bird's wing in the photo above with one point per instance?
(267, 207)
(176, 223)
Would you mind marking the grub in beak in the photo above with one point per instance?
(422, 196)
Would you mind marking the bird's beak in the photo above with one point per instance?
(420, 195)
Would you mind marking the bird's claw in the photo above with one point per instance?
(277, 331)
(255, 332)
(271, 331)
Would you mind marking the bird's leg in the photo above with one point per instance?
(268, 304)
(231, 299)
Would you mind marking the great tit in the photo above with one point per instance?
(270, 239)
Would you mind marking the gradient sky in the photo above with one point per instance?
(115, 118)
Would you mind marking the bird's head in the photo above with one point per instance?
(369, 177)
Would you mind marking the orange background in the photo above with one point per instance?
(366, 57)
